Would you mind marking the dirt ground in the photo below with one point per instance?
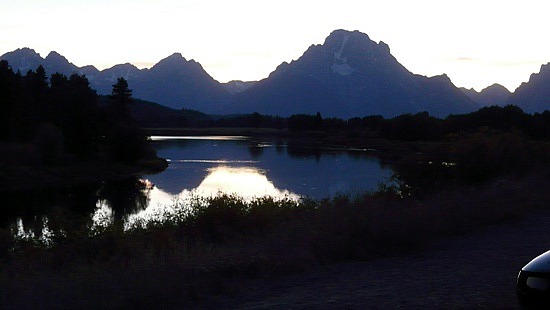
(468, 272)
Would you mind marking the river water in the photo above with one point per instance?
(198, 167)
(256, 168)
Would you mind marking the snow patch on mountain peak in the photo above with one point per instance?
(338, 54)
(340, 65)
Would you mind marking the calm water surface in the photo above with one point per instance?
(255, 168)
(206, 166)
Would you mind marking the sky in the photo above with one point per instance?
(475, 42)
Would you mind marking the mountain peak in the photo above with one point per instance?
(54, 58)
(545, 69)
(356, 37)
(175, 57)
(495, 94)
(442, 79)
(125, 66)
(236, 86)
(23, 59)
(339, 33)
(385, 47)
(338, 38)
(542, 75)
(54, 54)
(355, 49)
(534, 95)
(25, 51)
(56, 62)
(170, 63)
(496, 88)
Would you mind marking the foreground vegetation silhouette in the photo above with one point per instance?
(208, 248)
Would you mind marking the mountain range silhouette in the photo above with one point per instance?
(348, 75)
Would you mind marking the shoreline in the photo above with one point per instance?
(35, 178)
(387, 150)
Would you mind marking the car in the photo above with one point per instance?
(533, 283)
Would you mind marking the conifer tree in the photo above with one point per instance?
(120, 99)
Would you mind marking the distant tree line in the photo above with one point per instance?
(406, 127)
(254, 120)
(62, 119)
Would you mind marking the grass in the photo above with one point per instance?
(209, 250)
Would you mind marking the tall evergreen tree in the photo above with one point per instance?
(120, 99)
(126, 141)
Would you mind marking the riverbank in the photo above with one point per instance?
(219, 131)
(21, 177)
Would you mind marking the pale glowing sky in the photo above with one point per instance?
(476, 42)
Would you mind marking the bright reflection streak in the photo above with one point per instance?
(215, 161)
(247, 183)
(215, 138)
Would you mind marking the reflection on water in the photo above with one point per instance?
(22, 233)
(102, 217)
(163, 207)
(309, 170)
(44, 237)
(248, 183)
(244, 181)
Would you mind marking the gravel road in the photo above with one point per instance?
(467, 272)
